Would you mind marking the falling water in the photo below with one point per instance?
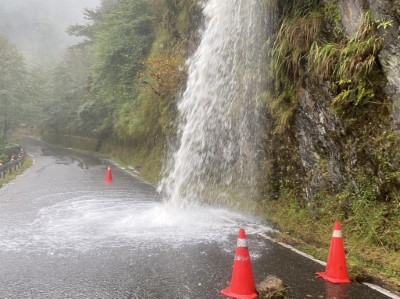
(219, 128)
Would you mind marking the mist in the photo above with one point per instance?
(38, 27)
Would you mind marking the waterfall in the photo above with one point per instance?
(219, 130)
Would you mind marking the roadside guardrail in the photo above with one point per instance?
(11, 166)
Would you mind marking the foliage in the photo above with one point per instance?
(88, 30)
(301, 48)
(179, 21)
(66, 90)
(118, 38)
(13, 92)
(370, 228)
(348, 67)
(298, 30)
(40, 94)
(349, 63)
(293, 42)
(7, 149)
(129, 80)
(123, 37)
(162, 81)
(150, 118)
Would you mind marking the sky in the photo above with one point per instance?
(37, 27)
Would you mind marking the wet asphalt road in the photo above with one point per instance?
(65, 233)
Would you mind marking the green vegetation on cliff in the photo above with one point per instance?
(350, 171)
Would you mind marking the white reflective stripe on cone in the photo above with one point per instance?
(242, 258)
(337, 234)
(241, 243)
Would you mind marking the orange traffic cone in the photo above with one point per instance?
(108, 178)
(242, 282)
(336, 267)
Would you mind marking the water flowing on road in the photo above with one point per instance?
(87, 220)
(64, 232)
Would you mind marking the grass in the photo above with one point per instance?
(148, 162)
(372, 244)
(84, 143)
(293, 42)
(9, 177)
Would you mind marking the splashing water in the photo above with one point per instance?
(94, 221)
(220, 128)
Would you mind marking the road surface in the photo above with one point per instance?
(65, 233)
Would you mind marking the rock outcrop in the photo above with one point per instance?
(335, 149)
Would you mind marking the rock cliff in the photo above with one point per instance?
(337, 99)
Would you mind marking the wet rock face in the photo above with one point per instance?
(390, 60)
(351, 15)
(331, 152)
(389, 11)
(318, 134)
(385, 7)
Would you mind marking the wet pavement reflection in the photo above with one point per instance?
(65, 233)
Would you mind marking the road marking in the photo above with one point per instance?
(381, 290)
(370, 285)
(293, 249)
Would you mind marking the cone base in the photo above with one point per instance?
(227, 292)
(325, 276)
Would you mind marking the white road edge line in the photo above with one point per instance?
(293, 249)
(381, 290)
(371, 285)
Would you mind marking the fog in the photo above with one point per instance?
(37, 27)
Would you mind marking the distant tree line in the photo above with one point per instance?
(22, 90)
(121, 82)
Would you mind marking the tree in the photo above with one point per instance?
(13, 77)
(87, 31)
(120, 34)
(69, 86)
